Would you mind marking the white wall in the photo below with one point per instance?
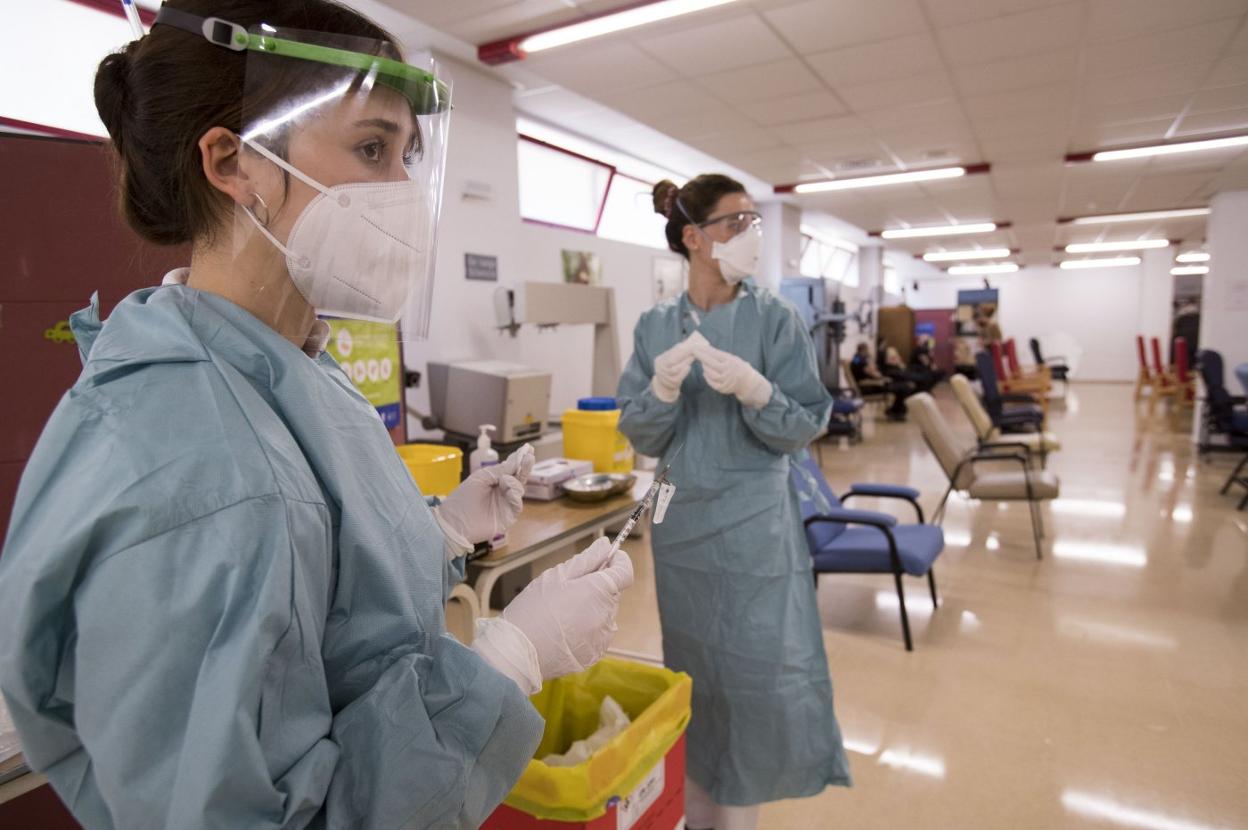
(1224, 301)
(482, 148)
(1101, 310)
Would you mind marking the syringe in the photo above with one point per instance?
(640, 510)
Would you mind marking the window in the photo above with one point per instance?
(629, 214)
(50, 77)
(559, 187)
(563, 188)
(828, 258)
(892, 281)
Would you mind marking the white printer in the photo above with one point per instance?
(463, 395)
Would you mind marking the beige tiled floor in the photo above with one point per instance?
(1105, 686)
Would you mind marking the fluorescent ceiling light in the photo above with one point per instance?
(1108, 262)
(1102, 247)
(1143, 216)
(939, 230)
(909, 176)
(1192, 256)
(1189, 270)
(1168, 149)
(954, 256)
(608, 23)
(991, 268)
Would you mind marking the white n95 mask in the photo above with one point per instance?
(738, 257)
(350, 252)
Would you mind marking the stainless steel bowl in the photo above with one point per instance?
(599, 486)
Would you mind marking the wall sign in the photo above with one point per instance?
(481, 267)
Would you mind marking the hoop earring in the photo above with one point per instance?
(265, 220)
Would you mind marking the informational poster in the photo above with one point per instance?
(582, 268)
(369, 352)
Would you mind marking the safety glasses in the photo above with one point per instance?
(735, 222)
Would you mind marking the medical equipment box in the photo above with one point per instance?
(463, 395)
(547, 476)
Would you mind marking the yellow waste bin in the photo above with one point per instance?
(591, 433)
(435, 467)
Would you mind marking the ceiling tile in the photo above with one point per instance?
(601, 68)
(1147, 84)
(741, 87)
(1052, 102)
(1097, 136)
(884, 60)
(818, 26)
(1114, 19)
(1158, 49)
(726, 44)
(937, 116)
(824, 129)
(1170, 189)
(1048, 29)
(1221, 98)
(1231, 70)
(1214, 122)
(1018, 72)
(946, 13)
(933, 86)
(673, 98)
(805, 107)
(742, 138)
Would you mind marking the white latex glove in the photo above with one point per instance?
(488, 502)
(568, 613)
(505, 647)
(731, 375)
(670, 370)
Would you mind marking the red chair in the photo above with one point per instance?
(1164, 383)
(1185, 380)
(1143, 378)
(1011, 383)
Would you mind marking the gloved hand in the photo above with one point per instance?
(488, 502)
(568, 613)
(670, 370)
(505, 647)
(731, 375)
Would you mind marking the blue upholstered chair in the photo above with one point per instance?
(1009, 413)
(864, 541)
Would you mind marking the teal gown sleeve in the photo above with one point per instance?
(800, 405)
(229, 723)
(648, 422)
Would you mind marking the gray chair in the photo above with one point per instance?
(967, 467)
(989, 435)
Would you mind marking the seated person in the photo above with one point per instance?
(964, 359)
(866, 373)
(895, 369)
(923, 361)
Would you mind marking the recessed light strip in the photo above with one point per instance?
(1108, 262)
(1192, 256)
(1142, 216)
(904, 177)
(519, 46)
(989, 268)
(940, 230)
(1189, 270)
(1170, 148)
(955, 256)
(1103, 247)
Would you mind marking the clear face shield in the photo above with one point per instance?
(342, 159)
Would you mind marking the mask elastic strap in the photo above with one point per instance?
(287, 166)
(303, 261)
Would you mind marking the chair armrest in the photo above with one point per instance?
(887, 491)
(841, 515)
(897, 491)
(994, 445)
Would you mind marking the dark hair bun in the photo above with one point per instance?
(665, 197)
(112, 86)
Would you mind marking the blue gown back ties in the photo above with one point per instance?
(733, 573)
(222, 596)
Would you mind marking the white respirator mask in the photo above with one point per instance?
(347, 253)
(738, 257)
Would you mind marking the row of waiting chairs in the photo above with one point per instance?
(1174, 382)
(1225, 417)
(842, 540)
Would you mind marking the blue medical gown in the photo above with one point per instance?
(733, 573)
(221, 596)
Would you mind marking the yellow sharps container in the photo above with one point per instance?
(591, 432)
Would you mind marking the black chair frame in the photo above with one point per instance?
(1024, 459)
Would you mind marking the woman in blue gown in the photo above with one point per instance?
(723, 385)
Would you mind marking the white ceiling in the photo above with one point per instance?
(789, 91)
